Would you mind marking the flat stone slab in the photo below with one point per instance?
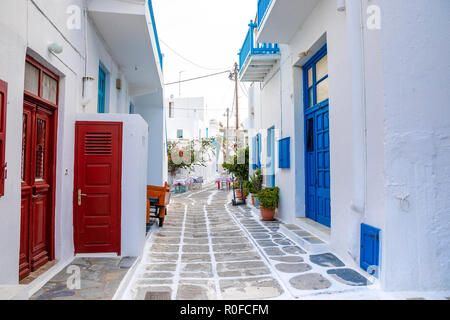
(294, 250)
(245, 273)
(196, 257)
(266, 243)
(292, 227)
(233, 240)
(197, 267)
(157, 275)
(164, 248)
(264, 235)
(232, 247)
(161, 267)
(237, 256)
(283, 242)
(196, 290)
(276, 235)
(166, 240)
(227, 234)
(162, 257)
(326, 260)
(196, 241)
(291, 259)
(293, 267)
(348, 276)
(310, 281)
(256, 288)
(303, 233)
(227, 266)
(272, 251)
(313, 240)
(152, 282)
(195, 248)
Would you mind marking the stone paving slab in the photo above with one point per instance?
(209, 249)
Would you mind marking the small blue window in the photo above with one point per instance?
(101, 90)
(370, 249)
(180, 133)
(284, 155)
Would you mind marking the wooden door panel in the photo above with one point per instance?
(24, 263)
(98, 187)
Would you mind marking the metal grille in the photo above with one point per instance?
(98, 143)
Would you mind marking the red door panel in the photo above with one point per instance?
(97, 192)
(37, 178)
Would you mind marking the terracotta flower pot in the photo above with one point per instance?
(239, 194)
(266, 214)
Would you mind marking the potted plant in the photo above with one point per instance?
(239, 169)
(248, 188)
(269, 202)
(256, 181)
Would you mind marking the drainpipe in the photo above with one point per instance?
(356, 45)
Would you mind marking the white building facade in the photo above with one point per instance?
(67, 62)
(348, 123)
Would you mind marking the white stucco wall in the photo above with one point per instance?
(134, 184)
(406, 142)
(29, 30)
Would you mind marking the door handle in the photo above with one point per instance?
(80, 195)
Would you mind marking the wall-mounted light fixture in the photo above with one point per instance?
(340, 5)
(55, 48)
(88, 84)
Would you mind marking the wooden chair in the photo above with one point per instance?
(158, 198)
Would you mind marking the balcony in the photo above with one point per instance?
(256, 59)
(279, 20)
(263, 7)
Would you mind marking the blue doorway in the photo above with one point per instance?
(270, 166)
(317, 138)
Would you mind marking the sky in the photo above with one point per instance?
(209, 33)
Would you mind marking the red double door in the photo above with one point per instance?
(37, 175)
(97, 190)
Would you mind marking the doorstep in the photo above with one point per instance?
(310, 235)
(13, 292)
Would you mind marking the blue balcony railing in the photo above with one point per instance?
(156, 33)
(263, 6)
(251, 48)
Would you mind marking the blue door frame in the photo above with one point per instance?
(317, 145)
(101, 90)
(270, 182)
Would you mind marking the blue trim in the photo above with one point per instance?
(131, 109)
(284, 154)
(101, 102)
(317, 164)
(270, 182)
(249, 47)
(370, 249)
(263, 7)
(155, 31)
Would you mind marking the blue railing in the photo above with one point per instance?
(156, 33)
(251, 48)
(263, 6)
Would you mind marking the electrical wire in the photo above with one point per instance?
(197, 78)
(190, 61)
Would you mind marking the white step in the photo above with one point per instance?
(305, 239)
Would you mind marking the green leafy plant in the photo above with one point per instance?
(256, 181)
(239, 170)
(269, 198)
(248, 187)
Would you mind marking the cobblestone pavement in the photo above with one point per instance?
(209, 249)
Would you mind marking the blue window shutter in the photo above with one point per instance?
(370, 249)
(284, 156)
(258, 151)
(254, 153)
(101, 90)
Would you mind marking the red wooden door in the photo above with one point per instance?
(38, 138)
(97, 191)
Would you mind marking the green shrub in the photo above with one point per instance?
(269, 197)
(256, 181)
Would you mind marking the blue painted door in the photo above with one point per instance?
(270, 177)
(101, 90)
(317, 139)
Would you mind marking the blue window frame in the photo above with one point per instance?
(101, 90)
(180, 133)
(258, 151)
(270, 166)
(131, 108)
(284, 155)
(316, 79)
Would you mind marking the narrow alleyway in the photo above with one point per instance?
(210, 250)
